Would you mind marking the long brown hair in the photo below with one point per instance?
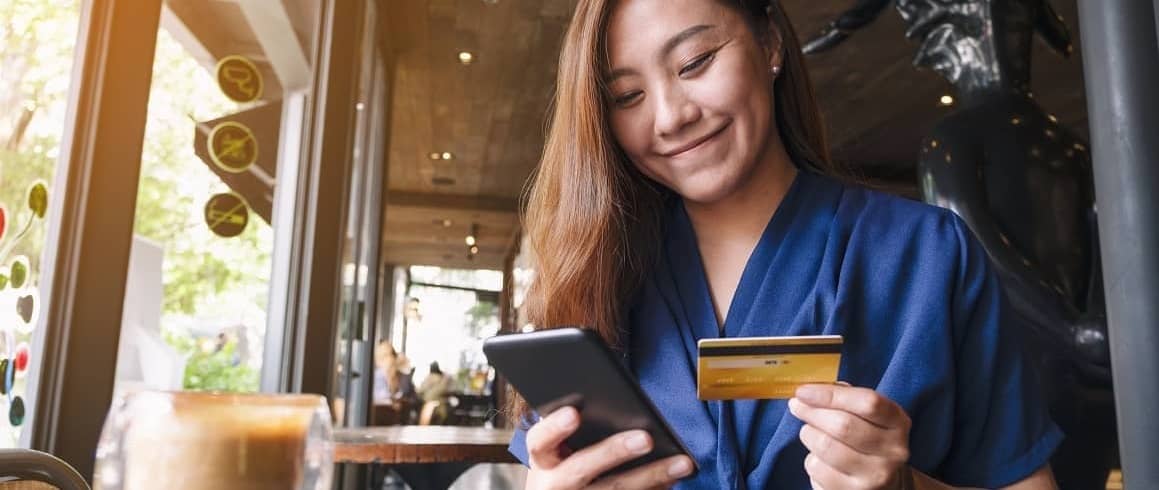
(591, 217)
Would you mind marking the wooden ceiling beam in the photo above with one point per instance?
(445, 259)
(452, 201)
(488, 236)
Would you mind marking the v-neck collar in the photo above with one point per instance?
(757, 309)
(693, 287)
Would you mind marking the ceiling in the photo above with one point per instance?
(490, 114)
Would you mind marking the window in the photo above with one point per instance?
(198, 287)
(37, 39)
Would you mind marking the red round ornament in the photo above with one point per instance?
(21, 357)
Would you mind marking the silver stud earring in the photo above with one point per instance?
(776, 70)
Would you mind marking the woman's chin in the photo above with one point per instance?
(705, 191)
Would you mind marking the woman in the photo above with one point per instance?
(392, 374)
(683, 195)
(435, 386)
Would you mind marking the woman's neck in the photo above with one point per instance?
(728, 230)
(744, 214)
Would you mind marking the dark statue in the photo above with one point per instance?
(1024, 185)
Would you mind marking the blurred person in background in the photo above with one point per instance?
(392, 375)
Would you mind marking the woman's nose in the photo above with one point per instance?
(674, 112)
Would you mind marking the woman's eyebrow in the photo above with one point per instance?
(665, 50)
(684, 35)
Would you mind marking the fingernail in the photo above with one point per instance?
(810, 462)
(795, 406)
(681, 468)
(637, 443)
(567, 418)
(810, 394)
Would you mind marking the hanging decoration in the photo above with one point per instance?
(19, 294)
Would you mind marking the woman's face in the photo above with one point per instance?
(690, 98)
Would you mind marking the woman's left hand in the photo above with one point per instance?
(856, 438)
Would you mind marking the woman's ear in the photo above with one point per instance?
(774, 46)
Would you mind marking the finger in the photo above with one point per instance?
(863, 402)
(658, 474)
(544, 439)
(821, 475)
(587, 464)
(852, 430)
(835, 453)
(821, 472)
(872, 471)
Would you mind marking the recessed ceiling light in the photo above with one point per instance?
(448, 156)
(470, 240)
(474, 249)
(466, 58)
(447, 223)
(946, 100)
(436, 156)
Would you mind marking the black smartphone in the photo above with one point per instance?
(573, 367)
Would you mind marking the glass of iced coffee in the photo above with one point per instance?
(207, 441)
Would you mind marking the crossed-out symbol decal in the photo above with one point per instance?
(239, 79)
(232, 147)
(226, 214)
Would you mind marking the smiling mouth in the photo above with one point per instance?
(696, 143)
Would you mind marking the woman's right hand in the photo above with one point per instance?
(555, 467)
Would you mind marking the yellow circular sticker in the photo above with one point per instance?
(233, 147)
(239, 79)
(226, 214)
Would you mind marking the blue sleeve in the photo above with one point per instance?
(1002, 429)
(518, 445)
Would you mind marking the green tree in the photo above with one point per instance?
(204, 275)
(37, 39)
(175, 184)
(36, 48)
(213, 370)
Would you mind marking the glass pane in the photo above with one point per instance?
(199, 274)
(37, 40)
(447, 326)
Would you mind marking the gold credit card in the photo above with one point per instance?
(765, 367)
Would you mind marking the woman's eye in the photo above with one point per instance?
(697, 63)
(626, 99)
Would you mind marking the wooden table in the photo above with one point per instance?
(425, 456)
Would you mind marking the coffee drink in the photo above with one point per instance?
(190, 441)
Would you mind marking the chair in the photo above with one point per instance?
(385, 414)
(29, 465)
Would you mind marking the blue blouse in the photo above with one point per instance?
(924, 320)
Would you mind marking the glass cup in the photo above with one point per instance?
(208, 441)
